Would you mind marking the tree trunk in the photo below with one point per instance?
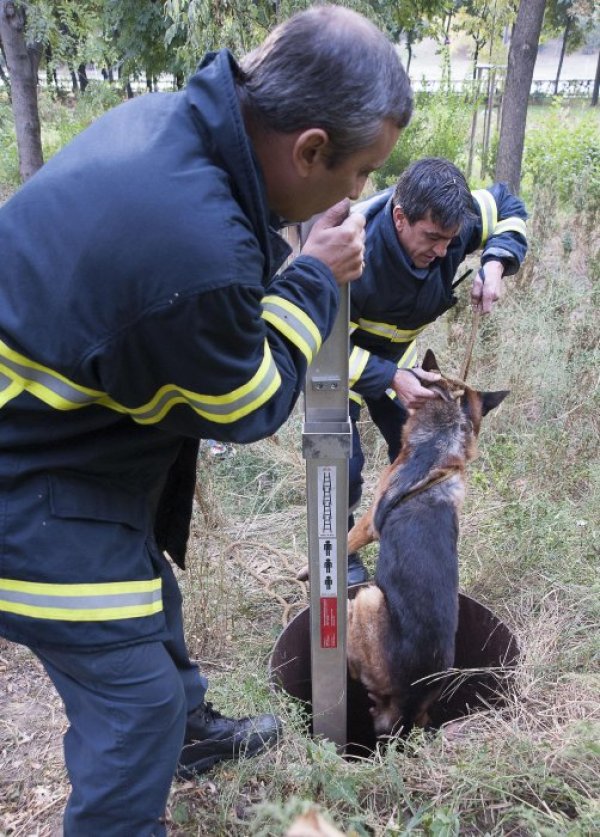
(409, 59)
(22, 66)
(521, 62)
(596, 89)
(82, 77)
(5, 78)
(562, 55)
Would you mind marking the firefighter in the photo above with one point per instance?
(141, 309)
(417, 235)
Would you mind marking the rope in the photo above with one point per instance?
(464, 371)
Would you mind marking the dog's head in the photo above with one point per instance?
(475, 405)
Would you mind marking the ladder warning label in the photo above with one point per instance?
(326, 476)
(328, 566)
(328, 557)
(329, 629)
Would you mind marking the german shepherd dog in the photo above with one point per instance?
(401, 629)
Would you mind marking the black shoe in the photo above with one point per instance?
(357, 572)
(210, 738)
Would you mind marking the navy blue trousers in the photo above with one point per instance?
(127, 710)
(389, 416)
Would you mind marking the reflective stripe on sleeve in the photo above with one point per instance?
(489, 212)
(61, 394)
(81, 602)
(407, 361)
(512, 224)
(390, 332)
(293, 323)
(358, 360)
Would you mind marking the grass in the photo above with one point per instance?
(529, 551)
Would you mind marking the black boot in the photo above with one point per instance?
(210, 738)
(357, 572)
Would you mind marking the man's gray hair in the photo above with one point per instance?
(328, 68)
(434, 187)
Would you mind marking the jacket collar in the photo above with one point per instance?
(213, 99)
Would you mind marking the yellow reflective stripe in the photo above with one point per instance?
(358, 360)
(81, 602)
(512, 224)
(407, 361)
(62, 394)
(49, 386)
(488, 210)
(356, 397)
(395, 335)
(293, 323)
(409, 358)
(221, 409)
(100, 615)
(353, 327)
(8, 389)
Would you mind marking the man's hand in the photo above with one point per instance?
(487, 288)
(338, 240)
(408, 389)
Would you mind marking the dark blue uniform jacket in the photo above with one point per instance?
(393, 301)
(139, 307)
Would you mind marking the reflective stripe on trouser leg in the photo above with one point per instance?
(127, 712)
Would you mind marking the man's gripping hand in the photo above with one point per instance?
(488, 286)
(406, 384)
(338, 240)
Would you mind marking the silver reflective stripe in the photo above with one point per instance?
(56, 385)
(61, 394)
(81, 602)
(226, 407)
(395, 335)
(293, 323)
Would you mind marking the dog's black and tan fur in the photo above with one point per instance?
(401, 630)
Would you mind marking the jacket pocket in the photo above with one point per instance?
(72, 497)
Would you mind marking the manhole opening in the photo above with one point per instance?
(484, 644)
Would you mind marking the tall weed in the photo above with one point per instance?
(563, 155)
(439, 128)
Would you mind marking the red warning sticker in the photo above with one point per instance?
(329, 622)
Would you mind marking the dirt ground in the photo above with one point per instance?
(33, 783)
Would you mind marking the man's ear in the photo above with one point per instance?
(400, 219)
(309, 149)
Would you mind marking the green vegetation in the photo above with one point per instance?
(438, 128)
(529, 551)
(60, 124)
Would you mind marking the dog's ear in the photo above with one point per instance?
(490, 400)
(430, 364)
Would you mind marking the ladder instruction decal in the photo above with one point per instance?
(327, 535)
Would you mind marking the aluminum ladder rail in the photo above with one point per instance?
(326, 447)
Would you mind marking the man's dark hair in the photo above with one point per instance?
(434, 187)
(328, 68)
